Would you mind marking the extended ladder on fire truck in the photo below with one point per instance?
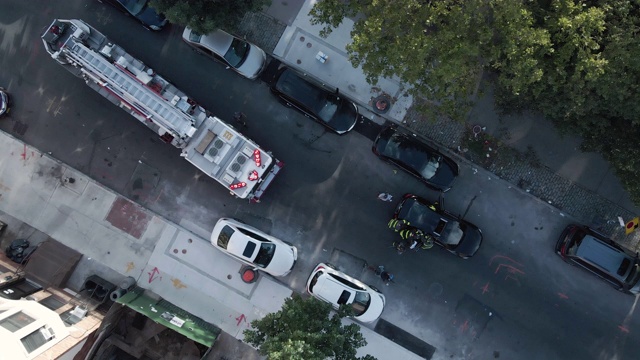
(214, 147)
(135, 87)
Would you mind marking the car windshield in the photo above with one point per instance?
(224, 236)
(265, 254)
(412, 154)
(327, 106)
(361, 302)
(194, 37)
(237, 52)
(634, 274)
(575, 242)
(134, 6)
(452, 233)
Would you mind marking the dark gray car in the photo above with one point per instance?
(582, 246)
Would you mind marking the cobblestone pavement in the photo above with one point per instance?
(526, 172)
(521, 169)
(262, 30)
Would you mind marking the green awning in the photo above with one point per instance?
(171, 316)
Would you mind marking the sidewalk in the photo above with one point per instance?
(525, 149)
(108, 229)
(178, 264)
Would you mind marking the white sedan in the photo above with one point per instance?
(243, 57)
(253, 247)
(337, 288)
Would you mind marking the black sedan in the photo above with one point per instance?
(456, 235)
(415, 157)
(314, 101)
(140, 9)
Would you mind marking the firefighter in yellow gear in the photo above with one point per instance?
(407, 234)
(398, 224)
(427, 242)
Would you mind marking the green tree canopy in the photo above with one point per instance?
(578, 62)
(304, 330)
(204, 16)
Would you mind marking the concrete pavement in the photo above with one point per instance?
(176, 263)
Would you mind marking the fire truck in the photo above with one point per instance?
(213, 146)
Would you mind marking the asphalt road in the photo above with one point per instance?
(514, 300)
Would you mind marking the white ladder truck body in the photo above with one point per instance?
(214, 147)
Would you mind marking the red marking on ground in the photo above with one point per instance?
(154, 274)
(510, 269)
(623, 328)
(24, 153)
(106, 176)
(509, 277)
(563, 296)
(240, 319)
(485, 288)
(503, 257)
(128, 217)
(465, 326)
(158, 197)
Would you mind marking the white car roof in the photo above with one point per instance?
(330, 289)
(284, 256)
(238, 243)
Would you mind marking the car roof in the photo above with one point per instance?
(416, 156)
(416, 211)
(299, 88)
(218, 41)
(330, 289)
(243, 246)
(607, 257)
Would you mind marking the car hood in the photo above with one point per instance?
(254, 63)
(150, 17)
(470, 242)
(283, 260)
(375, 309)
(445, 175)
(345, 118)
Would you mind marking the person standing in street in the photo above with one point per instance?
(240, 118)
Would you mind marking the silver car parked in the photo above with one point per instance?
(243, 57)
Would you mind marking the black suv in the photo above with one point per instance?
(326, 107)
(582, 246)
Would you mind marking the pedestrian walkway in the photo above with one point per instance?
(177, 264)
